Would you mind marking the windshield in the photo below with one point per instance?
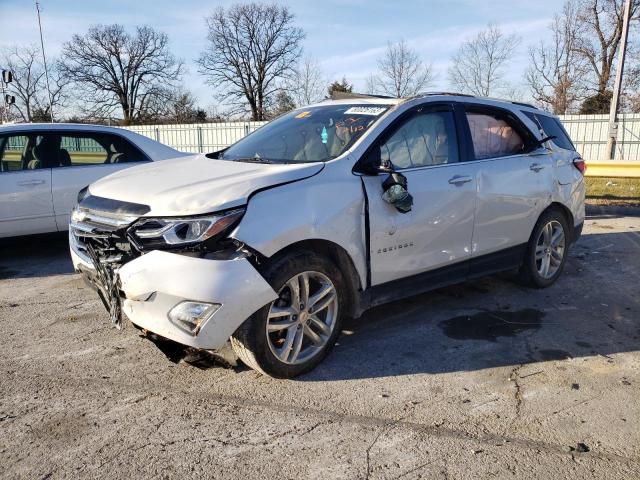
(315, 134)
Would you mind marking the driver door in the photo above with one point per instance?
(423, 146)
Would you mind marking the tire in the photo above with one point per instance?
(267, 352)
(545, 247)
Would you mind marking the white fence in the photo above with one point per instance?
(198, 138)
(588, 132)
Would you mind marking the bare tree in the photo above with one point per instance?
(478, 66)
(371, 84)
(307, 83)
(251, 48)
(401, 72)
(175, 106)
(29, 86)
(601, 30)
(556, 71)
(119, 70)
(182, 108)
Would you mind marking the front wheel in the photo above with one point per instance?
(547, 250)
(295, 332)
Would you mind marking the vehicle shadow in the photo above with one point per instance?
(35, 256)
(494, 322)
(593, 310)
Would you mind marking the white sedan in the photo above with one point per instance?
(44, 166)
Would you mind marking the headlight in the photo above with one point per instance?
(148, 233)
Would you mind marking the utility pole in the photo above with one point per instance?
(613, 112)
(44, 59)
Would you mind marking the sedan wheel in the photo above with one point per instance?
(300, 322)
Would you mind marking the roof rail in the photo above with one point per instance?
(456, 94)
(346, 95)
(525, 104)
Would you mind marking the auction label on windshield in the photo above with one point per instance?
(365, 111)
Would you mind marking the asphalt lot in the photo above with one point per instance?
(483, 380)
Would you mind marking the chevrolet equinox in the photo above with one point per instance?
(325, 212)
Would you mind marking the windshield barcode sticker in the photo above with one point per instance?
(365, 111)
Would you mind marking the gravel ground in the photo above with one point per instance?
(486, 379)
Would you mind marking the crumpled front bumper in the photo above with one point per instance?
(158, 281)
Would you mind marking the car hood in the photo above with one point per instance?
(196, 184)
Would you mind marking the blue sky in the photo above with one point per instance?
(345, 36)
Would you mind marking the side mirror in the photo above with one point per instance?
(395, 192)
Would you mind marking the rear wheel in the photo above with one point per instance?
(547, 250)
(295, 332)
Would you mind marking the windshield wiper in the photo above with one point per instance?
(249, 159)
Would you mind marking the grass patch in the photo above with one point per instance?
(613, 188)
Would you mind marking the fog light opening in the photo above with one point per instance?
(191, 316)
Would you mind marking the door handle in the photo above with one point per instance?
(29, 183)
(536, 167)
(458, 180)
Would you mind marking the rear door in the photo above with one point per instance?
(424, 146)
(514, 179)
(25, 185)
(85, 157)
(565, 153)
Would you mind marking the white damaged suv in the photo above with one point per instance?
(325, 212)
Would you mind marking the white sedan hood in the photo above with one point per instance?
(196, 184)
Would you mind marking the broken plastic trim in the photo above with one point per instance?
(108, 287)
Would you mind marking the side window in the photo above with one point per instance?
(25, 152)
(82, 149)
(13, 151)
(424, 139)
(121, 150)
(494, 135)
(551, 127)
(96, 149)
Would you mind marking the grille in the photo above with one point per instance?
(104, 233)
(99, 238)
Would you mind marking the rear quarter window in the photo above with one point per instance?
(551, 127)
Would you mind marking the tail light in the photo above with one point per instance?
(580, 165)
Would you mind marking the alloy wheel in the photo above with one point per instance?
(550, 249)
(301, 321)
